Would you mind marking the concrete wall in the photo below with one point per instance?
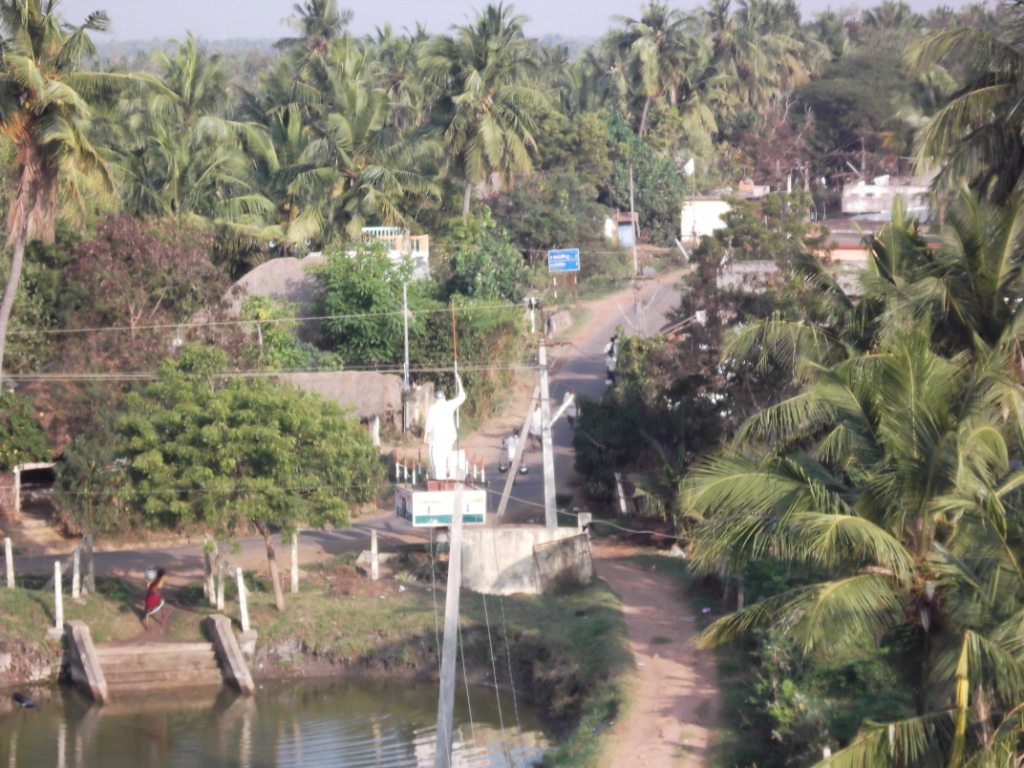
(82, 663)
(565, 565)
(501, 561)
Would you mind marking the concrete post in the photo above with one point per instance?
(209, 589)
(243, 606)
(220, 581)
(76, 574)
(9, 560)
(622, 496)
(89, 582)
(295, 563)
(550, 511)
(58, 598)
(446, 695)
(374, 568)
(17, 489)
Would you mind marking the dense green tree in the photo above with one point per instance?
(482, 263)
(22, 438)
(199, 451)
(361, 303)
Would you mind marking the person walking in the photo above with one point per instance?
(611, 351)
(154, 597)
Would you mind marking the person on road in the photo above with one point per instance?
(154, 598)
(535, 429)
(611, 351)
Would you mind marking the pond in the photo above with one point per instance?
(304, 723)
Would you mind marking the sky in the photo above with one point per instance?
(262, 19)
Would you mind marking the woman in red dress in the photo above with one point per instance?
(154, 598)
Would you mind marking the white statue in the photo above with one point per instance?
(440, 432)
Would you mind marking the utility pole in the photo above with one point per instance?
(405, 377)
(550, 512)
(446, 695)
(637, 304)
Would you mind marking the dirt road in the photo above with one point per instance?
(675, 703)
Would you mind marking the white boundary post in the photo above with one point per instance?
(295, 563)
(220, 580)
(58, 598)
(374, 568)
(9, 559)
(76, 574)
(243, 606)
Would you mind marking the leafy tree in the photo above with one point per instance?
(201, 452)
(658, 185)
(361, 303)
(483, 264)
(145, 279)
(276, 346)
(22, 437)
(654, 49)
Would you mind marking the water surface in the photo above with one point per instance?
(305, 723)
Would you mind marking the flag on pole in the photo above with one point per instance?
(690, 167)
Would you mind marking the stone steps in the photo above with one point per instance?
(152, 666)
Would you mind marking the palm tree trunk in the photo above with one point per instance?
(7, 303)
(275, 576)
(643, 117)
(466, 196)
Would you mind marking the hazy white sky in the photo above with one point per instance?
(255, 19)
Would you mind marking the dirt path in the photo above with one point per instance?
(675, 702)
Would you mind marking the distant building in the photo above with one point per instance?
(877, 196)
(627, 228)
(402, 245)
(701, 216)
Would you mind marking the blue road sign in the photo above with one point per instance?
(565, 260)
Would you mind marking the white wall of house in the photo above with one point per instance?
(863, 197)
(701, 217)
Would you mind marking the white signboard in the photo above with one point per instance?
(432, 509)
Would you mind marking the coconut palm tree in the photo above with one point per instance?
(487, 109)
(975, 137)
(317, 22)
(654, 47)
(887, 482)
(44, 110)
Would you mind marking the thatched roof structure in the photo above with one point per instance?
(366, 393)
(283, 279)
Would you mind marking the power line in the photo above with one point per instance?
(184, 326)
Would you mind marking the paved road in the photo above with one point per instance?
(579, 363)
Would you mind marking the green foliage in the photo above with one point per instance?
(200, 452)
(22, 438)
(361, 303)
(777, 228)
(490, 341)
(482, 263)
(658, 185)
(276, 346)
